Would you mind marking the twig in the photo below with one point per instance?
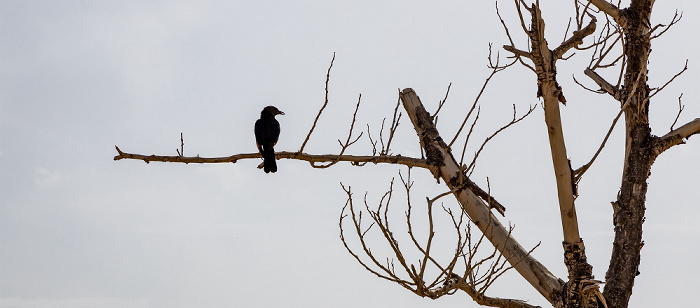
(680, 109)
(328, 76)
(578, 173)
(514, 121)
(676, 18)
(181, 152)
(495, 69)
(441, 103)
(392, 130)
(657, 90)
(348, 143)
(586, 88)
(518, 54)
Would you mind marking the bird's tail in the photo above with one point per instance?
(269, 163)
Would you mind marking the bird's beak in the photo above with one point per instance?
(282, 113)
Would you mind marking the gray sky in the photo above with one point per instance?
(77, 78)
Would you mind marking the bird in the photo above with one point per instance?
(267, 132)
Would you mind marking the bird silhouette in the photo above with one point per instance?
(267, 132)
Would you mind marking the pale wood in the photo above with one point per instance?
(551, 94)
(439, 155)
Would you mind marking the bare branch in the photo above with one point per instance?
(181, 151)
(676, 136)
(680, 109)
(466, 141)
(586, 88)
(442, 102)
(328, 76)
(578, 173)
(374, 143)
(348, 143)
(311, 158)
(607, 7)
(392, 130)
(479, 213)
(486, 196)
(676, 18)
(575, 40)
(470, 169)
(518, 53)
(357, 221)
(495, 70)
(604, 85)
(657, 90)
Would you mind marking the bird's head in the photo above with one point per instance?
(270, 111)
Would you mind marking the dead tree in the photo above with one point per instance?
(622, 43)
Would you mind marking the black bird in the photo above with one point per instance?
(267, 132)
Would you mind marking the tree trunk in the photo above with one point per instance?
(628, 209)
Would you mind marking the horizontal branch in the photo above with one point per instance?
(677, 136)
(311, 158)
(517, 52)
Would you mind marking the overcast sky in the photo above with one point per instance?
(78, 229)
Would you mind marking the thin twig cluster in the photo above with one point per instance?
(429, 276)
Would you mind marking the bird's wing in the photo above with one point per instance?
(259, 134)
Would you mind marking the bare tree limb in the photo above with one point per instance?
(474, 283)
(657, 90)
(311, 158)
(607, 7)
(392, 130)
(325, 103)
(578, 173)
(604, 85)
(494, 69)
(348, 143)
(575, 40)
(512, 122)
(181, 151)
(680, 110)
(517, 52)
(676, 136)
(551, 93)
(439, 155)
(442, 102)
(676, 18)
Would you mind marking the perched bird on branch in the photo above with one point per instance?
(267, 132)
